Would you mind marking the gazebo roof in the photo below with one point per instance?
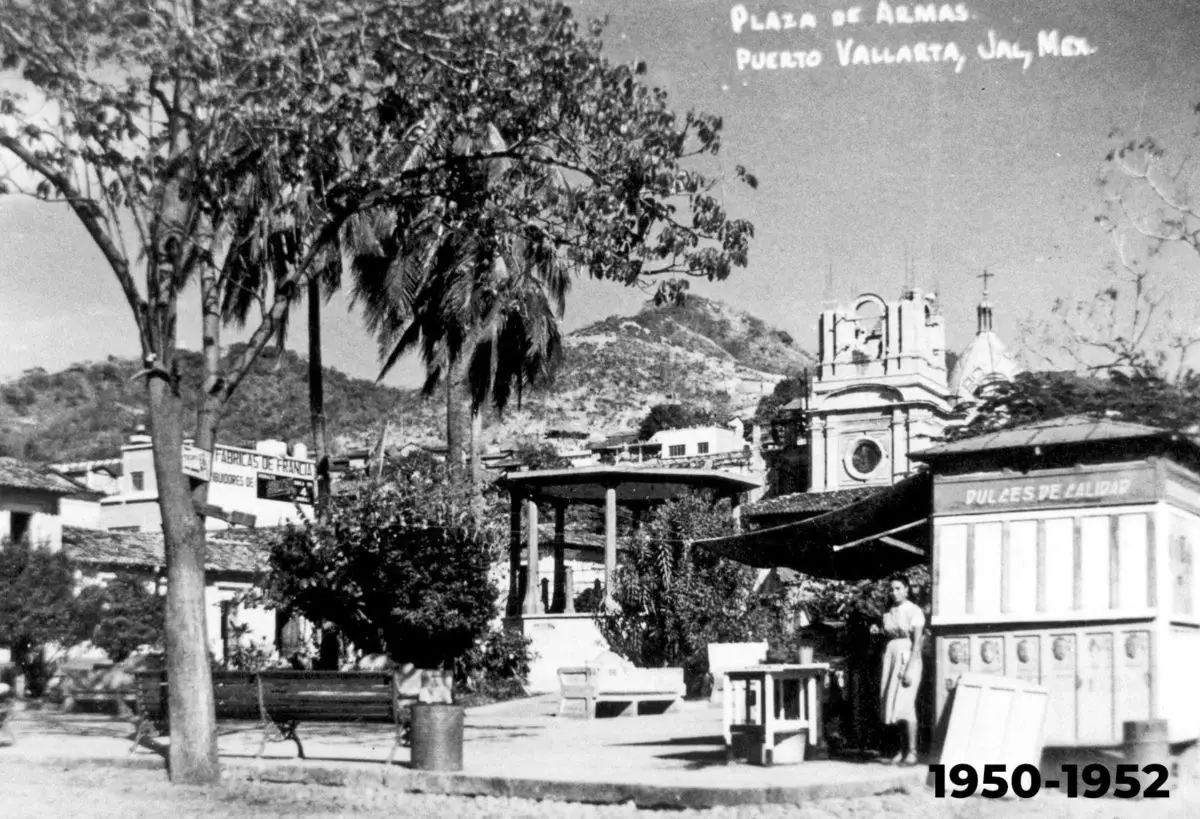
(588, 484)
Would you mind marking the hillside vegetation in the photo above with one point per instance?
(702, 353)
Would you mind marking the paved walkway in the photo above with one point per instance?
(518, 749)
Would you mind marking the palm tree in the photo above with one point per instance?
(477, 294)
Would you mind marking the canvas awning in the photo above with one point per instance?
(883, 533)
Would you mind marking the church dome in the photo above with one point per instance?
(985, 360)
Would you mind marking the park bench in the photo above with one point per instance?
(584, 688)
(279, 700)
(98, 687)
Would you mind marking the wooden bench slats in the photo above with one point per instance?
(285, 698)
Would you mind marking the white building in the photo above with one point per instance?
(267, 483)
(30, 500)
(231, 565)
(879, 391)
(695, 442)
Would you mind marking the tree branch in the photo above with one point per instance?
(89, 214)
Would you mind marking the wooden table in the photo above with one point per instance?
(776, 709)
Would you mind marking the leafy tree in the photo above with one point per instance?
(786, 391)
(119, 616)
(36, 605)
(675, 599)
(399, 568)
(672, 416)
(181, 132)
(539, 456)
(1041, 396)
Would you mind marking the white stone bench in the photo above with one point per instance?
(617, 682)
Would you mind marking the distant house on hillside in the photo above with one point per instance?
(682, 446)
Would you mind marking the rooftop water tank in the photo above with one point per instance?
(278, 449)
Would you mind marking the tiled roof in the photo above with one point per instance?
(76, 488)
(618, 440)
(20, 475)
(809, 502)
(1072, 429)
(225, 552)
(112, 465)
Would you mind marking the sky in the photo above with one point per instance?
(867, 171)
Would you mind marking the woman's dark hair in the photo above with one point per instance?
(900, 578)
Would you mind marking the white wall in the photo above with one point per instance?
(80, 512)
(234, 488)
(719, 440)
(45, 527)
(261, 622)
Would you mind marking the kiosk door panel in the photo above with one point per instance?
(1096, 689)
(1061, 679)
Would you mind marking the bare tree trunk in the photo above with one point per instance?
(192, 714)
(316, 397)
(454, 425)
(476, 445)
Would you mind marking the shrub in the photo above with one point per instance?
(400, 568)
(119, 616)
(675, 599)
(497, 661)
(36, 607)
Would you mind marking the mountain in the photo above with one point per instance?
(702, 352)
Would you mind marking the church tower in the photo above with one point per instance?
(985, 362)
(880, 390)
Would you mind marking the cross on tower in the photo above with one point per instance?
(985, 275)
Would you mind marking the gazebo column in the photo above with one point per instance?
(533, 603)
(558, 599)
(610, 544)
(735, 505)
(513, 605)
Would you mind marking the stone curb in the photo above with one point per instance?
(464, 784)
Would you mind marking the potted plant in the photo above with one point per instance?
(400, 568)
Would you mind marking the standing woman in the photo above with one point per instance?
(903, 626)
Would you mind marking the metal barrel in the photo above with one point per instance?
(1147, 743)
(437, 736)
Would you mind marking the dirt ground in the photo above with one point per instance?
(41, 790)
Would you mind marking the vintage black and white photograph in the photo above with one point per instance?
(599, 408)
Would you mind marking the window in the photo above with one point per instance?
(864, 458)
(702, 447)
(139, 481)
(675, 450)
(18, 527)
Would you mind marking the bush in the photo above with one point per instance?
(675, 599)
(36, 607)
(120, 616)
(400, 568)
(498, 661)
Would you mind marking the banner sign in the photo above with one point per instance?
(197, 463)
(1084, 487)
(266, 477)
(272, 487)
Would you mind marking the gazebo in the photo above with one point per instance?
(561, 637)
